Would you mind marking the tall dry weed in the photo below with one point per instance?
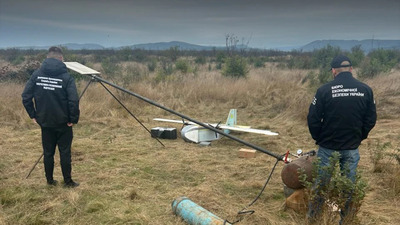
(387, 94)
(11, 110)
(278, 93)
(126, 177)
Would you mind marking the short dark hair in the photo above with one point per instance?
(55, 52)
(55, 49)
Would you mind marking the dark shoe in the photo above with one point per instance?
(71, 184)
(52, 182)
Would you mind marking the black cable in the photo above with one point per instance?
(249, 212)
(188, 118)
(129, 112)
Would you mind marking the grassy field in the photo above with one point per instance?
(127, 177)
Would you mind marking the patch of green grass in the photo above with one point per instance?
(94, 206)
(278, 196)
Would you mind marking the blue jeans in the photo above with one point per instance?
(348, 161)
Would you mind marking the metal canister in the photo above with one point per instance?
(291, 172)
(194, 214)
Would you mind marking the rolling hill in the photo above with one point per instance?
(367, 45)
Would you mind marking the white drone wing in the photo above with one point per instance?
(221, 126)
(249, 130)
(174, 121)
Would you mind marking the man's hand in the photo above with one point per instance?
(34, 120)
(70, 124)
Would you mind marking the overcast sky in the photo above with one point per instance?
(261, 23)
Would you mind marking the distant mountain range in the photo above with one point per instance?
(366, 45)
(71, 46)
(167, 45)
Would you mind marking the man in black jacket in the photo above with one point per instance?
(340, 116)
(51, 100)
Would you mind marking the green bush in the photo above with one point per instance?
(312, 78)
(20, 59)
(152, 65)
(356, 56)
(200, 60)
(12, 54)
(379, 61)
(139, 55)
(377, 155)
(109, 67)
(235, 66)
(336, 190)
(125, 54)
(132, 74)
(322, 57)
(258, 62)
(165, 71)
(385, 160)
(182, 65)
(220, 57)
(324, 76)
(300, 62)
(129, 54)
(172, 53)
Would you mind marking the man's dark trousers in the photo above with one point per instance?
(62, 137)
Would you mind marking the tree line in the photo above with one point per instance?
(231, 62)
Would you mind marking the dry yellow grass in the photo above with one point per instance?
(128, 178)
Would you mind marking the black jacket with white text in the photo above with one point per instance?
(342, 113)
(53, 90)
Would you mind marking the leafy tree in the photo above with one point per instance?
(300, 62)
(357, 55)
(125, 54)
(322, 58)
(139, 55)
(173, 53)
(379, 61)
